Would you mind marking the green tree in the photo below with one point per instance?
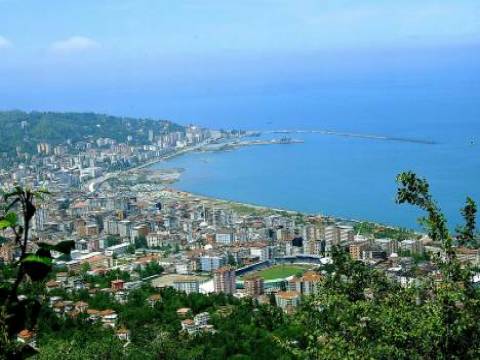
(231, 260)
(17, 314)
(456, 279)
(150, 269)
(359, 313)
(112, 240)
(466, 234)
(141, 242)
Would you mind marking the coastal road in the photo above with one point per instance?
(91, 186)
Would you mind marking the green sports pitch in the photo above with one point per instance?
(280, 271)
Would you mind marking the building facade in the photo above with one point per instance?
(224, 280)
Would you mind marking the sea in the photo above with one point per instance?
(341, 176)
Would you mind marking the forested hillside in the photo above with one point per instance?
(26, 129)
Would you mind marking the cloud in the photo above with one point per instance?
(74, 44)
(4, 42)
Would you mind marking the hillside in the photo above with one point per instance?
(26, 129)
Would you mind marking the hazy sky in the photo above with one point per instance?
(69, 53)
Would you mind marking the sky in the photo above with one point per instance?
(99, 55)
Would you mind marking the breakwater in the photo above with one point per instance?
(354, 135)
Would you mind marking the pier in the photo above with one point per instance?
(353, 135)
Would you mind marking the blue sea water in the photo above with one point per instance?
(426, 90)
(347, 177)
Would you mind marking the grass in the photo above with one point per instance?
(281, 271)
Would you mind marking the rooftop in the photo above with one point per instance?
(288, 295)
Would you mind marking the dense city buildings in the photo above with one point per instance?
(130, 228)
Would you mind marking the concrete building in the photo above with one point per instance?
(225, 237)
(338, 234)
(201, 319)
(40, 218)
(306, 284)
(287, 300)
(294, 247)
(189, 326)
(390, 246)
(117, 285)
(110, 226)
(345, 233)
(186, 284)
(263, 252)
(332, 236)
(414, 247)
(211, 263)
(253, 285)
(357, 248)
(125, 228)
(224, 280)
(160, 239)
(119, 249)
(138, 231)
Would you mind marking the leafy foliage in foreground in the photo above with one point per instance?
(17, 314)
(247, 332)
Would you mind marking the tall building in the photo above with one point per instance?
(331, 235)
(356, 249)
(294, 246)
(110, 226)
(263, 251)
(224, 280)
(388, 245)
(211, 263)
(125, 228)
(412, 246)
(254, 285)
(306, 284)
(345, 233)
(313, 232)
(40, 219)
(338, 234)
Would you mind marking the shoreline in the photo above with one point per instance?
(92, 184)
(229, 202)
(333, 218)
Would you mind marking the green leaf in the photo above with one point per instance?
(44, 252)
(12, 218)
(38, 259)
(45, 246)
(37, 267)
(4, 224)
(9, 220)
(64, 246)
